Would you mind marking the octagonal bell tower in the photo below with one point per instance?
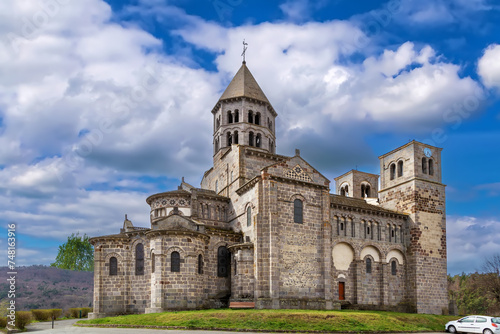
(243, 115)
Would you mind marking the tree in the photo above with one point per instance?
(491, 279)
(75, 254)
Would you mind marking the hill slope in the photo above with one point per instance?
(48, 287)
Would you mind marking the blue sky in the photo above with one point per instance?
(104, 103)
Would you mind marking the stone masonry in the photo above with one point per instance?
(264, 228)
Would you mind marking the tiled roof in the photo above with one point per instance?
(244, 85)
(360, 204)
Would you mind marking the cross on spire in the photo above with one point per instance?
(244, 51)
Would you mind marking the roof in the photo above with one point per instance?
(360, 204)
(244, 85)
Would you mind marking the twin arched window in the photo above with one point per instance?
(344, 190)
(392, 169)
(230, 117)
(365, 190)
(427, 166)
(298, 211)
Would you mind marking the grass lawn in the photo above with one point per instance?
(290, 320)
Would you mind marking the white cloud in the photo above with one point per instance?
(489, 67)
(470, 241)
(87, 104)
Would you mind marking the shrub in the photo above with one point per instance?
(3, 322)
(56, 312)
(23, 318)
(41, 315)
(75, 312)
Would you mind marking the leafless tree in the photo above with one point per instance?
(491, 279)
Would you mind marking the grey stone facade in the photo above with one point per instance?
(264, 228)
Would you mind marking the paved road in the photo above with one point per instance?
(66, 327)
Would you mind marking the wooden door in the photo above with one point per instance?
(341, 291)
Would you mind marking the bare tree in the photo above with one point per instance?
(491, 279)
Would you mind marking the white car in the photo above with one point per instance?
(474, 324)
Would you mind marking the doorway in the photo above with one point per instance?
(341, 290)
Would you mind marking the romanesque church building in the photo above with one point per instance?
(271, 231)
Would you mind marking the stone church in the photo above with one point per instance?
(271, 232)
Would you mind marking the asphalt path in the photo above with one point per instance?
(66, 327)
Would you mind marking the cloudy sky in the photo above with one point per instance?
(103, 103)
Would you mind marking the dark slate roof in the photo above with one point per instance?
(360, 204)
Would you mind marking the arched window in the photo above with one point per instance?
(175, 262)
(229, 139)
(153, 262)
(400, 168)
(139, 259)
(200, 264)
(250, 139)
(368, 265)
(392, 169)
(249, 216)
(365, 190)
(431, 167)
(236, 116)
(235, 137)
(344, 190)
(297, 211)
(257, 118)
(113, 266)
(393, 268)
(424, 165)
(222, 262)
(258, 140)
(250, 116)
(229, 117)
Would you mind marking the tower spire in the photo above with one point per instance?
(244, 51)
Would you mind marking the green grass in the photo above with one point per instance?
(292, 320)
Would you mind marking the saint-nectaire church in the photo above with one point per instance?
(270, 231)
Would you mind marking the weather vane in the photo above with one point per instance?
(244, 50)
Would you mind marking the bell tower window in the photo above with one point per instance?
(400, 168)
(250, 139)
(258, 140)
(250, 116)
(431, 167)
(257, 118)
(392, 169)
(236, 116)
(229, 117)
(229, 139)
(424, 165)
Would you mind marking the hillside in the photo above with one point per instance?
(49, 287)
